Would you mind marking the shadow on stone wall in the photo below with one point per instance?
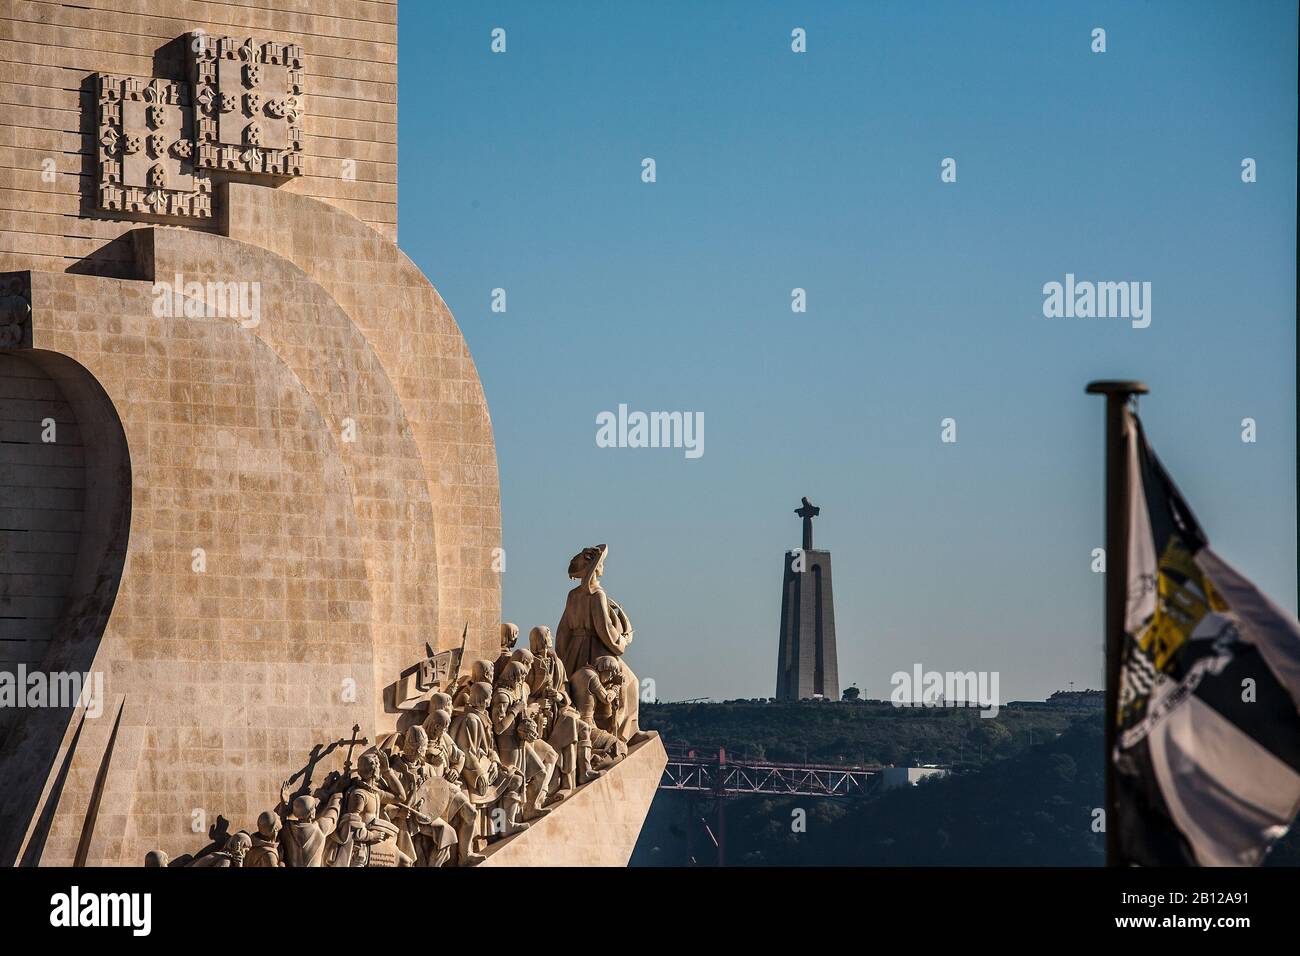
(60, 565)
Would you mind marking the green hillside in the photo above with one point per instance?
(859, 733)
(1008, 803)
(1032, 809)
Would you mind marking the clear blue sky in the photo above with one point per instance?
(821, 171)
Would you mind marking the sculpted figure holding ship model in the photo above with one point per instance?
(594, 626)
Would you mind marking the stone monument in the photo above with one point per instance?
(806, 665)
(247, 473)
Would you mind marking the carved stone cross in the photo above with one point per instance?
(807, 512)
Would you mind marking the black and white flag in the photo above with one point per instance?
(1207, 755)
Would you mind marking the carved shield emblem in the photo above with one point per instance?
(145, 149)
(241, 81)
(432, 797)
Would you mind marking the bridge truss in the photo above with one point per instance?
(689, 770)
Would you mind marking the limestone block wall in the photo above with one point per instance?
(49, 51)
(230, 673)
(330, 465)
(425, 357)
(331, 456)
(367, 424)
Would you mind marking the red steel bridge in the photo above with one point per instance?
(689, 769)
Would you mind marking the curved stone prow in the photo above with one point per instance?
(598, 824)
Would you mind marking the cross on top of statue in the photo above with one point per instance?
(807, 512)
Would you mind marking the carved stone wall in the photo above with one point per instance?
(433, 374)
(249, 101)
(331, 553)
(51, 52)
(147, 149)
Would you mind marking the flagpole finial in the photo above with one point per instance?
(1113, 386)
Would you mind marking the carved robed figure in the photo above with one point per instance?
(594, 626)
(482, 755)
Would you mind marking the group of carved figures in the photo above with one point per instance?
(487, 756)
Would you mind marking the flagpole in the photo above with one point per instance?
(1117, 395)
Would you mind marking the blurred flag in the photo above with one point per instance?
(1207, 755)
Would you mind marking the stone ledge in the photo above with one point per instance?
(598, 825)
